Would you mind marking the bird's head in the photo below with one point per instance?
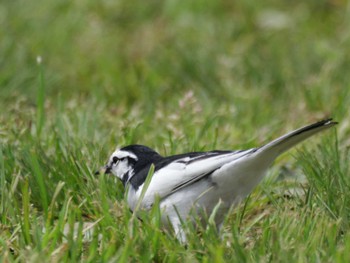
(125, 162)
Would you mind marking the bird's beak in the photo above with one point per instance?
(103, 170)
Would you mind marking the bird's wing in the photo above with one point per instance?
(184, 171)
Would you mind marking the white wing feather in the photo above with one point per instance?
(174, 176)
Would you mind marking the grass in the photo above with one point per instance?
(177, 77)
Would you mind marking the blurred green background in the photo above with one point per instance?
(257, 61)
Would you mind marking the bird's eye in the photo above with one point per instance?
(115, 159)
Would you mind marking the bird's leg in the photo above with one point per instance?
(178, 229)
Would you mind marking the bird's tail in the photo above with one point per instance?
(287, 141)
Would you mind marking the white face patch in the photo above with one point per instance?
(124, 154)
(120, 164)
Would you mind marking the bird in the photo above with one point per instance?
(192, 183)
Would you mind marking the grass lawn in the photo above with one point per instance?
(79, 78)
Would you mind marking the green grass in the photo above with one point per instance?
(176, 76)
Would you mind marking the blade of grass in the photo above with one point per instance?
(59, 187)
(2, 186)
(143, 192)
(39, 178)
(40, 113)
(25, 207)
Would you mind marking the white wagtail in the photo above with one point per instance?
(198, 181)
